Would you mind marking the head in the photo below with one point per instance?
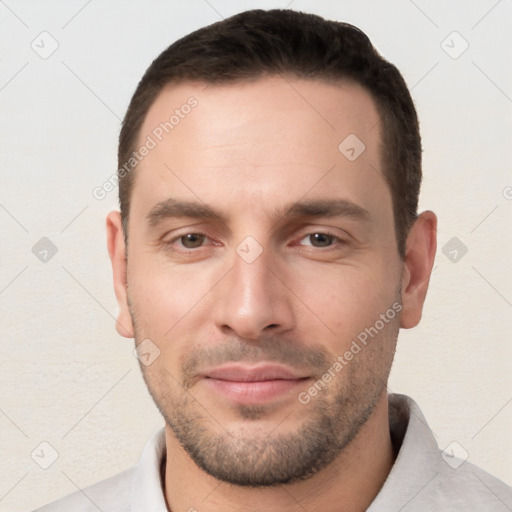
(269, 233)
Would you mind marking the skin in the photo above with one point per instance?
(248, 151)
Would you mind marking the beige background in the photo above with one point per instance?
(68, 379)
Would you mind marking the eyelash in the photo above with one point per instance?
(336, 239)
(179, 237)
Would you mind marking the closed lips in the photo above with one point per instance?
(253, 374)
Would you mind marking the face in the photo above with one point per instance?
(262, 264)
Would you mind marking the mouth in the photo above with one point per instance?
(259, 384)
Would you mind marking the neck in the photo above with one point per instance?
(349, 484)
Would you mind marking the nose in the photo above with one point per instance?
(253, 300)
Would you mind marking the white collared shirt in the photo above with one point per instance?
(422, 479)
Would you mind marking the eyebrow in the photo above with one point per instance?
(315, 208)
(175, 208)
(324, 208)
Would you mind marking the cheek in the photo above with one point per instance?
(167, 298)
(346, 299)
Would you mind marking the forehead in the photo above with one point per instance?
(272, 138)
(341, 108)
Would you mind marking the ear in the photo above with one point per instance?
(116, 251)
(420, 252)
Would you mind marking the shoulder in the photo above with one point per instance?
(110, 495)
(138, 488)
(469, 486)
(425, 478)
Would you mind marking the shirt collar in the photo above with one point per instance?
(147, 491)
(418, 456)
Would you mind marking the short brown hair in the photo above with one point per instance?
(260, 43)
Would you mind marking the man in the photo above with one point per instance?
(267, 252)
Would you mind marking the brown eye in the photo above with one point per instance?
(192, 240)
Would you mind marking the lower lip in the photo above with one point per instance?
(254, 392)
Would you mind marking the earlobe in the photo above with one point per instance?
(116, 251)
(419, 259)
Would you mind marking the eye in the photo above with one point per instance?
(190, 240)
(320, 239)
